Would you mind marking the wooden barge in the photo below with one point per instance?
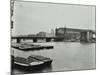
(27, 47)
(33, 61)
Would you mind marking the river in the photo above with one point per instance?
(66, 56)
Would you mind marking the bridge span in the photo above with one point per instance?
(35, 39)
(85, 36)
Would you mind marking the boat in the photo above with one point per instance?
(25, 63)
(33, 61)
(46, 60)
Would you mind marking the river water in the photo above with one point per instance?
(66, 56)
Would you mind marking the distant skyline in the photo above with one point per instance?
(31, 18)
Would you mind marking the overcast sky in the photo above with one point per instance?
(31, 18)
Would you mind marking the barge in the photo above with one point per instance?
(46, 60)
(33, 61)
(27, 47)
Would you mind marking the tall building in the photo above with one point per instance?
(41, 34)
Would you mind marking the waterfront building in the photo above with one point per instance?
(71, 34)
(45, 34)
(41, 34)
(51, 34)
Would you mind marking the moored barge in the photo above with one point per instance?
(33, 61)
(28, 47)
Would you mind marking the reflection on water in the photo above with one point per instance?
(38, 69)
(65, 55)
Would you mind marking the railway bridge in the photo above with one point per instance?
(35, 39)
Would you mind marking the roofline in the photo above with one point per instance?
(78, 29)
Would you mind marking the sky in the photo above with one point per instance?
(33, 17)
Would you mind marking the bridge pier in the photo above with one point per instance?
(58, 39)
(18, 40)
(48, 39)
(34, 40)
